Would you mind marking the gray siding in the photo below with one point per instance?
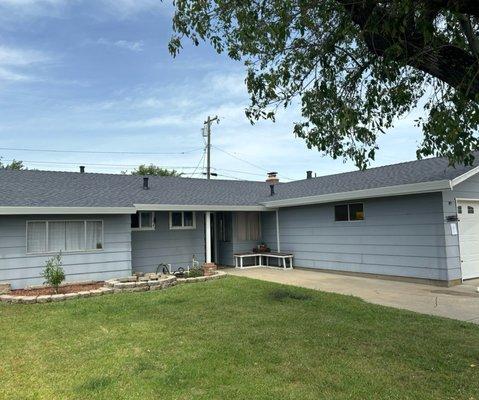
(21, 269)
(469, 189)
(400, 236)
(175, 247)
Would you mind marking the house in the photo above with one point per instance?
(416, 220)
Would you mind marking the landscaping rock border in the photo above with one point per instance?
(126, 284)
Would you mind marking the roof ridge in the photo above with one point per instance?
(120, 174)
(372, 169)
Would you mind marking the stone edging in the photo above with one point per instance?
(217, 275)
(112, 286)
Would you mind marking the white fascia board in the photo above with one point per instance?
(398, 190)
(65, 210)
(187, 207)
(463, 177)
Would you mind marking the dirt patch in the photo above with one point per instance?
(73, 288)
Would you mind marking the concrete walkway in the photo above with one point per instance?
(458, 302)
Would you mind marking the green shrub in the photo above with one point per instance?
(53, 272)
(194, 272)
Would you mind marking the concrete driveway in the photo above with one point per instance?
(458, 302)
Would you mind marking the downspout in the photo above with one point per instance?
(278, 243)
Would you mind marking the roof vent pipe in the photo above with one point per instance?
(309, 174)
(82, 169)
(272, 179)
(146, 185)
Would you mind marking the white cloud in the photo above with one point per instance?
(20, 57)
(6, 75)
(123, 44)
(15, 63)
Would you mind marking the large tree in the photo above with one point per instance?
(356, 66)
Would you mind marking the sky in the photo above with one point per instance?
(96, 76)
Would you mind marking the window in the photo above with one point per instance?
(349, 212)
(247, 226)
(225, 226)
(459, 209)
(470, 210)
(182, 220)
(143, 221)
(65, 236)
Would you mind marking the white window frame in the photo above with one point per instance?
(349, 213)
(65, 251)
(182, 227)
(148, 228)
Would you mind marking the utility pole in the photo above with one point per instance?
(207, 134)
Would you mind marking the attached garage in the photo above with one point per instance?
(468, 215)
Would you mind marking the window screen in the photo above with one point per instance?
(36, 237)
(75, 235)
(187, 218)
(64, 236)
(356, 212)
(146, 219)
(94, 235)
(349, 212)
(176, 219)
(341, 213)
(56, 236)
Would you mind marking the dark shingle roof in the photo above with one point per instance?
(71, 189)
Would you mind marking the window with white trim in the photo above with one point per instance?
(64, 236)
(143, 221)
(349, 212)
(182, 220)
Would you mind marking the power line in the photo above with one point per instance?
(96, 164)
(101, 152)
(240, 159)
(245, 161)
(199, 162)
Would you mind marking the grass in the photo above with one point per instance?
(233, 338)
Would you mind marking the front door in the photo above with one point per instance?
(468, 212)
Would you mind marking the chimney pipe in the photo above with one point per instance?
(82, 169)
(146, 185)
(309, 174)
(272, 179)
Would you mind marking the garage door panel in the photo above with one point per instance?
(469, 238)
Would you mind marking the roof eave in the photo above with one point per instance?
(386, 191)
(7, 210)
(463, 177)
(206, 207)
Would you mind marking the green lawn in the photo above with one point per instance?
(234, 338)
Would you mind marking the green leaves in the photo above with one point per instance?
(355, 67)
(154, 170)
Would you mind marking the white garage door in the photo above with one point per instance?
(469, 238)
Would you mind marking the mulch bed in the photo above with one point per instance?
(73, 288)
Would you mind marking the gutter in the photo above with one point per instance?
(206, 207)
(65, 210)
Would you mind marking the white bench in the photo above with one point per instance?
(286, 259)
